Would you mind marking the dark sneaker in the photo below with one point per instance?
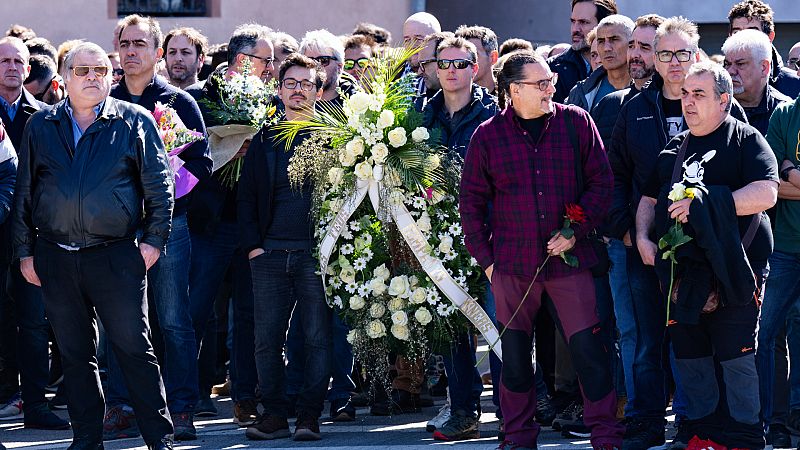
(643, 434)
(501, 430)
(268, 427)
(164, 444)
(41, 418)
(568, 416)
(245, 412)
(342, 410)
(59, 401)
(682, 436)
(306, 428)
(360, 400)
(460, 426)
(778, 436)
(205, 408)
(184, 426)
(545, 412)
(510, 445)
(120, 423)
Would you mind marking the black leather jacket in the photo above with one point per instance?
(117, 182)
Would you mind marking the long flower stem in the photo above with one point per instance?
(671, 277)
(492, 345)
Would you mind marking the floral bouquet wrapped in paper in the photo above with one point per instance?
(176, 138)
(394, 266)
(246, 106)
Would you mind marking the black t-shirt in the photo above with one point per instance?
(674, 115)
(534, 127)
(741, 157)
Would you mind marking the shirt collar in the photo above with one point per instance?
(13, 105)
(68, 107)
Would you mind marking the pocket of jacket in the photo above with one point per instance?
(123, 203)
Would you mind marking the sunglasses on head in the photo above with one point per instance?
(82, 71)
(349, 64)
(445, 64)
(324, 61)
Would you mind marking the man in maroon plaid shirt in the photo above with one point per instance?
(522, 163)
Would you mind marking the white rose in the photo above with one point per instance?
(424, 223)
(434, 162)
(347, 158)
(335, 175)
(379, 152)
(419, 296)
(399, 318)
(376, 329)
(677, 193)
(364, 170)
(377, 286)
(446, 244)
(376, 310)
(348, 275)
(356, 302)
(386, 119)
(400, 332)
(336, 204)
(420, 134)
(397, 137)
(356, 146)
(423, 316)
(396, 304)
(382, 272)
(359, 102)
(399, 286)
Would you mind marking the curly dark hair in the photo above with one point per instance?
(753, 10)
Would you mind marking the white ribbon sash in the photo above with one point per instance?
(417, 243)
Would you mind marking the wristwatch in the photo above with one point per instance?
(785, 172)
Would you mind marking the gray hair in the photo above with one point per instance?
(618, 20)
(245, 38)
(19, 44)
(676, 25)
(753, 41)
(323, 41)
(85, 47)
(722, 79)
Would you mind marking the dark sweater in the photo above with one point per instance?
(290, 228)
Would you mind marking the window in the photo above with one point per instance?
(163, 8)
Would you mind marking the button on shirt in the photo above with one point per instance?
(76, 130)
(11, 109)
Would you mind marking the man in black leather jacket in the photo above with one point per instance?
(93, 173)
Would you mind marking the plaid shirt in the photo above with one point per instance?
(528, 183)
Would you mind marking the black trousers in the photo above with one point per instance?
(108, 282)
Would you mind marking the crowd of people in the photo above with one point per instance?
(132, 302)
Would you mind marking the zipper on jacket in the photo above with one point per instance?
(661, 119)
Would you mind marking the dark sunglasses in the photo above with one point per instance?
(324, 61)
(666, 56)
(349, 64)
(118, 72)
(82, 71)
(459, 64)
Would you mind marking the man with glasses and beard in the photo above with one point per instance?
(519, 157)
(92, 174)
(277, 235)
(184, 53)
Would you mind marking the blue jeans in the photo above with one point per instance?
(463, 379)
(284, 281)
(168, 290)
(793, 342)
(341, 362)
(781, 295)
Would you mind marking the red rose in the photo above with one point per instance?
(575, 213)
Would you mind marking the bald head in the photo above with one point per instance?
(794, 58)
(417, 26)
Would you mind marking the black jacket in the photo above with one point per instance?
(118, 181)
(758, 116)
(257, 187)
(583, 93)
(197, 159)
(783, 78)
(639, 135)
(456, 136)
(27, 108)
(606, 111)
(571, 68)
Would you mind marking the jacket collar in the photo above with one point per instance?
(109, 110)
(480, 99)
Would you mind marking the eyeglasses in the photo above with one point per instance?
(424, 62)
(666, 56)
(118, 72)
(793, 63)
(349, 64)
(82, 71)
(265, 59)
(324, 61)
(305, 85)
(541, 84)
(459, 64)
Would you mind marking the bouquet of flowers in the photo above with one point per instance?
(246, 106)
(375, 255)
(176, 138)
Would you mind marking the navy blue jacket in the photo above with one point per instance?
(758, 116)
(456, 136)
(571, 68)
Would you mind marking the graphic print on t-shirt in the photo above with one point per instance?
(674, 116)
(674, 126)
(693, 172)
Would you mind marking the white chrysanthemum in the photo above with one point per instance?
(351, 288)
(363, 290)
(355, 226)
(433, 297)
(338, 301)
(419, 202)
(451, 255)
(455, 229)
(346, 249)
(367, 254)
(346, 234)
(377, 310)
(442, 310)
(335, 282)
(360, 264)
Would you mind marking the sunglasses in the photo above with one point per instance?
(118, 72)
(666, 56)
(542, 85)
(82, 71)
(349, 64)
(324, 61)
(793, 63)
(459, 64)
(291, 84)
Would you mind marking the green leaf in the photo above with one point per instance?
(568, 233)
(682, 240)
(570, 259)
(663, 243)
(667, 254)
